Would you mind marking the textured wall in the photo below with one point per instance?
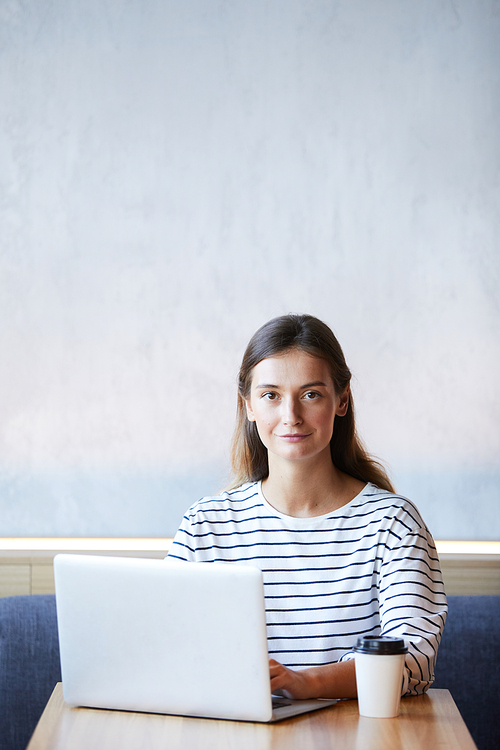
(176, 172)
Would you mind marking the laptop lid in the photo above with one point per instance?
(163, 636)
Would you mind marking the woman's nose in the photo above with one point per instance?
(291, 412)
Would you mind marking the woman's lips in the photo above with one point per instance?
(295, 437)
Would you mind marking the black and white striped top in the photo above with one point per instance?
(370, 567)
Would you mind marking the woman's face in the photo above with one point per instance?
(294, 405)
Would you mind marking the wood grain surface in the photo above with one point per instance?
(426, 723)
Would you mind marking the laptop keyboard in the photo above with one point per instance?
(280, 702)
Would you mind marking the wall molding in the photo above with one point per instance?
(26, 564)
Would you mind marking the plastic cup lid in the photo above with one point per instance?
(380, 644)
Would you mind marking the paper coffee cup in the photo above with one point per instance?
(379, 664)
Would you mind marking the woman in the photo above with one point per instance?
(341, 554)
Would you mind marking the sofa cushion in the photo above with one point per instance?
(468, 664)
(29, 665)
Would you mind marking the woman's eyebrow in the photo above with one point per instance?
(306, 385)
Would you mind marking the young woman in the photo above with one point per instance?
(341, 554)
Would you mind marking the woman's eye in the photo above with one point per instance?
(270, 396)
(311, 395)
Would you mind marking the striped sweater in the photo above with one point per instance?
(368, 568)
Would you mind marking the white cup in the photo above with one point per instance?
(379, 675)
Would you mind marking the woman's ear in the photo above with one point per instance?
(344, 402)
(250, 414)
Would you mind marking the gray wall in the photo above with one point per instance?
(176, 172)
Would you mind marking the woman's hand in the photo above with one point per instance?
(296, 684)
(331, 681)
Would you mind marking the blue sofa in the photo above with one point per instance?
(29, 665)
(468, 665)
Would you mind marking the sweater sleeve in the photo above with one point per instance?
(412, 604)
(184, 544)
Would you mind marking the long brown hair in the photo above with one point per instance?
(248, 454)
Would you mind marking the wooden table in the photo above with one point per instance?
(427, 722)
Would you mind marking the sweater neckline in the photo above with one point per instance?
(308, 521)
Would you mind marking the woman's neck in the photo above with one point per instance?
(307, 491)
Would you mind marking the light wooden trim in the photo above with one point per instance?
(469, 567)
(467, 548)
(160, 544)
(27, 567)
(83, 544)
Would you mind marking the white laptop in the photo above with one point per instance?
(168, 637)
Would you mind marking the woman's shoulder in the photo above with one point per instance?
(392, 504)
(231, 498)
